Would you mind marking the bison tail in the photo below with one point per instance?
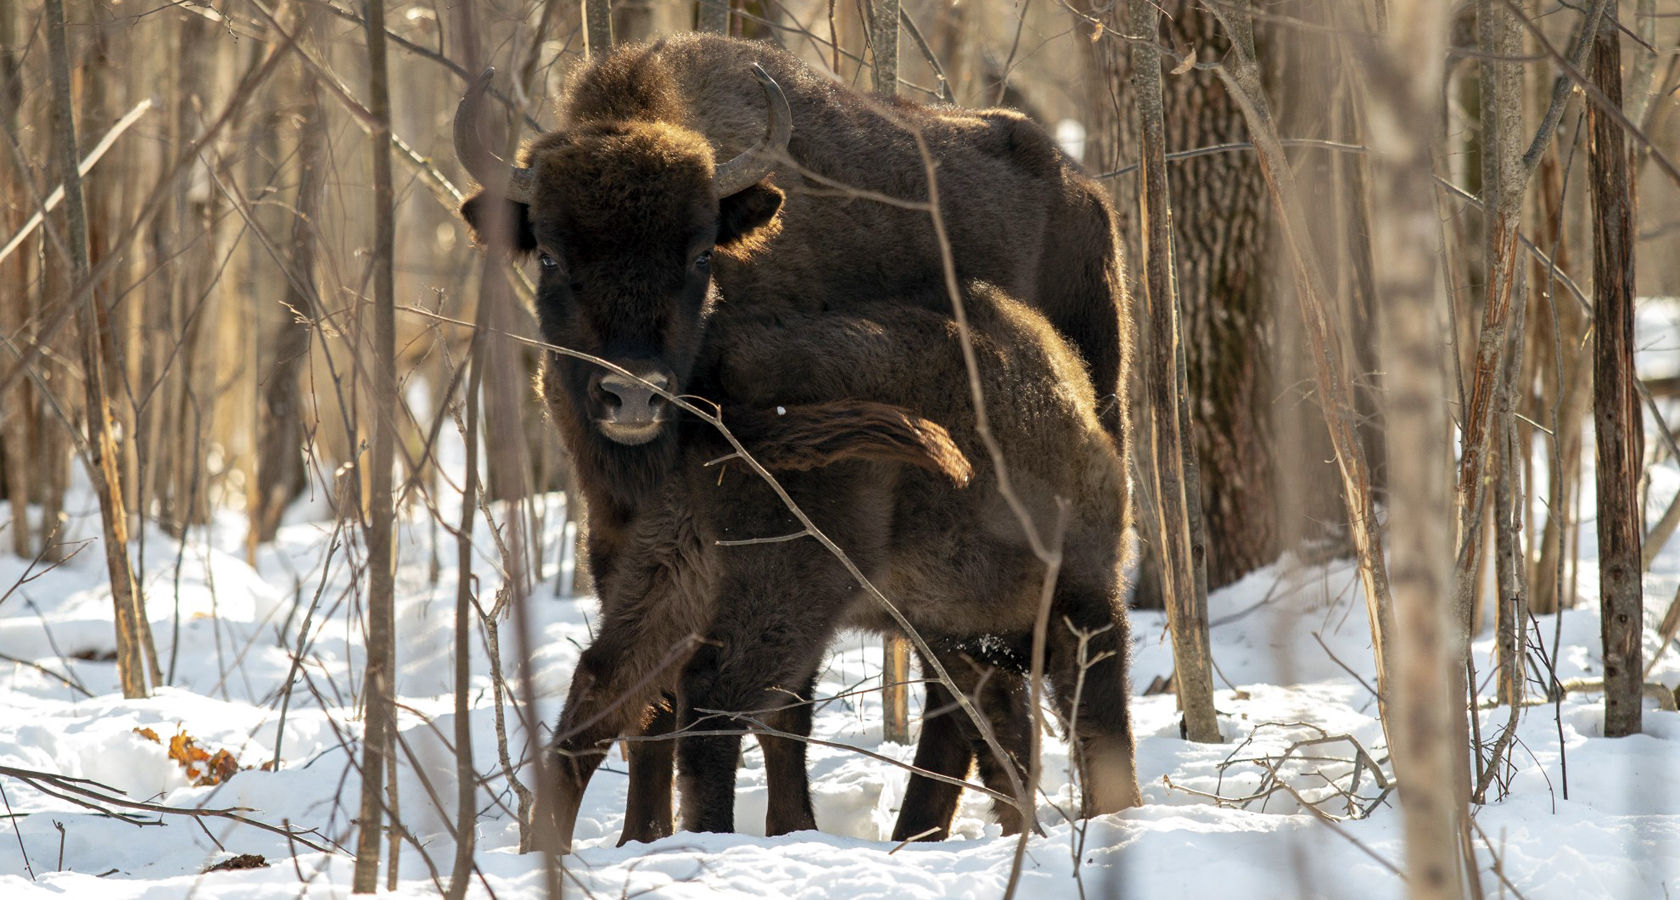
(814, 435)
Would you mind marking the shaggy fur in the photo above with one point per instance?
(955, 559)
(788, 311)
(1019, 212)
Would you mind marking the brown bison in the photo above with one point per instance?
(658, 258)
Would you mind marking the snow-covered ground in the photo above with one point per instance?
(1609, 828)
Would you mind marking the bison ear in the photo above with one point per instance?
(489, 215)
(743, 214)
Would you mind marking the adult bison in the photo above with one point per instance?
(649, 246)
(1018, 213)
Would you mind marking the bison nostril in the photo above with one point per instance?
(636, 401)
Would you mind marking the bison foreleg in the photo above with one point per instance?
(647, 809)
(778, 612)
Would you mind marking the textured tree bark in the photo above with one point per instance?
(1499, 40)
(1404, 71)
(380, 709)
(17, 402)
(1241, 76)
(1566, 384)
(713, 16)
(597, 27)
(1175, 482)
(1221, 250)
(101, 443)
(281, 475)
(883, 41)
(1617, 421)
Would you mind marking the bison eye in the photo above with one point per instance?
(548, 262)
(703, 261)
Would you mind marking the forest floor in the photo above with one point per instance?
(1576, 814)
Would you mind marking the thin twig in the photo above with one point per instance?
(93, 156)
(91, 794)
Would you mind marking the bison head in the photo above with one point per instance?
(623, 218)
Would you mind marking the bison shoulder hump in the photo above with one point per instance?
(1023, 143)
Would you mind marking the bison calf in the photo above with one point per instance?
(718, 554)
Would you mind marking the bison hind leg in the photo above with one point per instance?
(950, 744)
(1088, 656)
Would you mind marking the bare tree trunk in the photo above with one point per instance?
(1404, 69)
(713, 16)
(597, 27)
(17, 402)
(1511, 614)
(883, 41)
(1566, 387)
(1499, 40)
(1220, 254)
(1176, 490)
(1617, 421)
(380, 716)
(101, 443)
(281, 475)
(1242, 78)
(1501, 190)
(466, 776)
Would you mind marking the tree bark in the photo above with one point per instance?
(1175, 482)
(883, 42)
(712, 16)
(1566, 383)
(17, 403)
(597, 27)
(101, 443)
(380, 714)
(466, 776)
(1335, 395)
(1404, 71)
(281, 476)
(1221, 252)
(1617, 420)
(1499, 40)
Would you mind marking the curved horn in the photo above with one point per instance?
(747, 169)
(476, 156)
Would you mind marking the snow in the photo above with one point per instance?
(1615, 835)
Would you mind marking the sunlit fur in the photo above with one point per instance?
(623, 204)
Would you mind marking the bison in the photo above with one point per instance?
(1018, 212)
(651, 251)
(709, 553)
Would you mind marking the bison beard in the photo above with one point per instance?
(835, 310)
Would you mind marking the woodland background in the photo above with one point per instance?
(262, 288)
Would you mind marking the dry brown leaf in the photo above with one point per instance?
(220, 767)
(242, 861)
(149, 735)
(184, 750)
